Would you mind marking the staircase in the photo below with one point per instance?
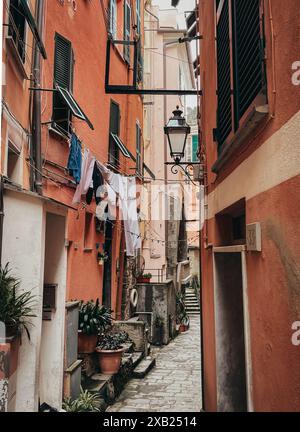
(191, 302)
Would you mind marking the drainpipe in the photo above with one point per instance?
(36, 116)
(1, 217)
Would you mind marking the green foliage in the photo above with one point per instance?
(86, 402)
(113, 341)
(147, 276)
(16, 309)
(181, 314)
(93, 318)
(159, 321)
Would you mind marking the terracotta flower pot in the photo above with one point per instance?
(86, 343)
(109, 361)
(183, 328)
(143, 280)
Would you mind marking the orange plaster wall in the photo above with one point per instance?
(85, 28)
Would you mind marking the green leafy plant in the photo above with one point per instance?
(16, 309)
(93, 318)
(159, 321)
(86, 402)
(102, 256)
(146, 276)
(180, 307)
(113, 341)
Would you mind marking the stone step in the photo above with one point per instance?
(144, 367)
(137, 357)
(193, 313)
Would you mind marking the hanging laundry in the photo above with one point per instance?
(96, 189)
(87, 169)
(130, 216)
(75, 158)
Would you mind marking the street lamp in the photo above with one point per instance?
(177, 131)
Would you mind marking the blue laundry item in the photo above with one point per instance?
(75, 159)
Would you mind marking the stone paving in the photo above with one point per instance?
(174, 385)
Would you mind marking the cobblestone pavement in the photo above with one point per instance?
(174, 385)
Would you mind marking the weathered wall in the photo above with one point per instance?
(265, 171)
(23, 240)
(85, 28)
(160, 300)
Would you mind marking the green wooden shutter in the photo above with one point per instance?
(195, 145)
(138, 16)
(63, 76)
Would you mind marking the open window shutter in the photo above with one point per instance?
(127, 27)
(138, 16)
(17, 28)
(113, 18)
(114, 127)
(224, 113)
(63, 76)
(248, 54)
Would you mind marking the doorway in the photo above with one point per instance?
(52, 339)
(233, 360)
(106, 299)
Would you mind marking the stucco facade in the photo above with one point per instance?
(262, 174)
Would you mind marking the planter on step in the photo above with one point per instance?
(183, 328)
(109, 360)
(86, 343)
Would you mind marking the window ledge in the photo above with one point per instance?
(257, 115)
(18, 61)
(52, 129)
(88, 249)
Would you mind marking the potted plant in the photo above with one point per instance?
(86, 402)
(102, 257)
(93, 318)
(110, 349)
(16, 309)
(184, 322)
(145, 278)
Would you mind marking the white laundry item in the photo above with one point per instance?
(104, 171)
(101, 213)
(112, 203)
(130, 217)
(87, 168)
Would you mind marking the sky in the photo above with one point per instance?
(183, 6)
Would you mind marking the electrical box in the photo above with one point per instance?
(253, 236)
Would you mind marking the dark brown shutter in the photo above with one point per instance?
(63, 76)
(224, 112)
(248, 53)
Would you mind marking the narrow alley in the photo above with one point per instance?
(174, 385)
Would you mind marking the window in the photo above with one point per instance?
(138, 149)
(17, 26)
(240, 63)
(127, 28)
(114, 129)
(195, 146)
(113, 18)
(138, 17)
(88, 232)
(13, 163)
(63, 77)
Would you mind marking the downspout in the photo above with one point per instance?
(36, 116)
(1, 216)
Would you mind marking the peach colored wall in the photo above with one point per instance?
(272, 199)
(85, 28)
